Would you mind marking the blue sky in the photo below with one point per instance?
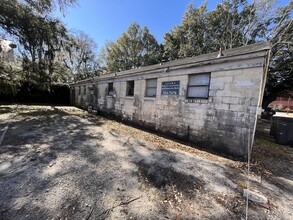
(105, 20)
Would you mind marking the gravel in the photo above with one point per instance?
(63, 163)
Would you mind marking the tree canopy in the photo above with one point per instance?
(280, 77)
(135, 48)
(49, 53)
(232, 24)
(236, 23)
(79, 56)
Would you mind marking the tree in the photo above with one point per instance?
(151, 51)
(232, 24)
(9, 79)
(103, 56)
(172, 43)
(15, 13)
(280, 75)
(225, 24)
(79, 56)
(237, 23)
(258, 21)
(46, 7)
(135, 48)
(42, 39)
(188, 39)
(40, 36)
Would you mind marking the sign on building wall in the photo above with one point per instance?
(170, 88)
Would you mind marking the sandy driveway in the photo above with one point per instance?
(62, 163)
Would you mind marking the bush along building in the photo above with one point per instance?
(210, 100)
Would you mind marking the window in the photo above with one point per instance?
(130, 88)
(84, 90)
(110, 89)
(198, 86)
(151, 88)
(79, 90)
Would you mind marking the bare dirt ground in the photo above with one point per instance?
(63, 163)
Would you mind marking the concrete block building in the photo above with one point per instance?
(208, 100)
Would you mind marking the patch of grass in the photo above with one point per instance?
(268, 157)
(267, 142)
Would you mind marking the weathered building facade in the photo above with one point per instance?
(210, 101)
(6, 50)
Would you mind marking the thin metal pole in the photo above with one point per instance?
(248, 173)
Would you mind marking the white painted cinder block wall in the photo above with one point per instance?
(224, 122)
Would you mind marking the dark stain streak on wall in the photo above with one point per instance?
(217, 103)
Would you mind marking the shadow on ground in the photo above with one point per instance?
(32, 147)
(62, 163)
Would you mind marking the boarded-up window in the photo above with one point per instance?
(198, 85)
(151, 88)
(130, 88)
(110, 89)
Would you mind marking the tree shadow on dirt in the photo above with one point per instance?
(58, 168)
(162, 177)
(176, 187)
(33, 142)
